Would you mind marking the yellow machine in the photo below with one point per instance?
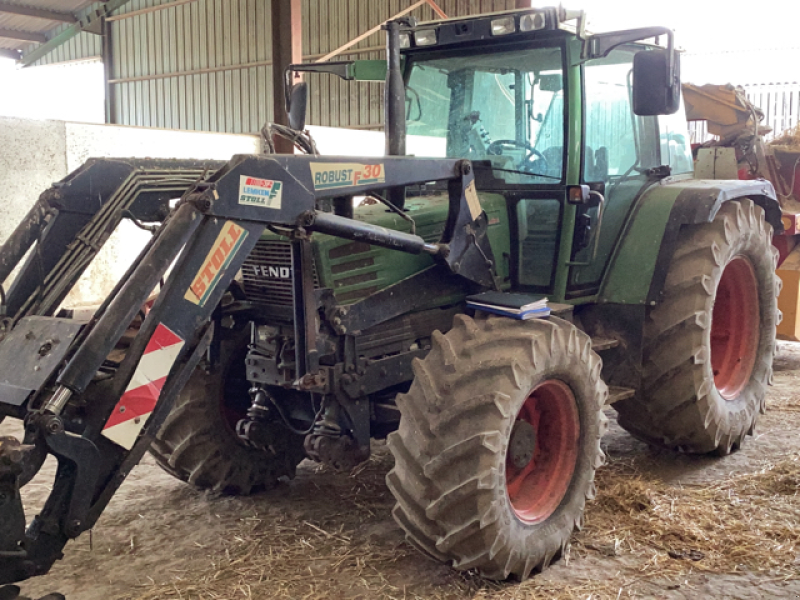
(741, 153)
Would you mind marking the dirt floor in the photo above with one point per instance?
(662, 526)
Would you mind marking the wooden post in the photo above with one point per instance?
(287, 47)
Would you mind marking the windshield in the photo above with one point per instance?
(507, 108)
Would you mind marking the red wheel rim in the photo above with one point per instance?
(734, 328)
(536, 489)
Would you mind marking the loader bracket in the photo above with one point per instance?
(81, 458)
(31, 352)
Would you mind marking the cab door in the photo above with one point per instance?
(619, 149)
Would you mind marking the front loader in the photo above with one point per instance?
(289, 324)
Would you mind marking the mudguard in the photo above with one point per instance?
(639, 265)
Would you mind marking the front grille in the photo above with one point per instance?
(267, 273)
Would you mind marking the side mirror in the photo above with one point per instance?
(550, 83)
(656, 91)
(296, 106)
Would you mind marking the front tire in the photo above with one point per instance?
(710, 342)
(198, 443)
(498, 444)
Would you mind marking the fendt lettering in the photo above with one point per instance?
(268, 272)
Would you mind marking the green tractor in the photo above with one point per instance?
(583, 168)
(560, 167)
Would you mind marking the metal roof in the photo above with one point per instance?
(33, 20)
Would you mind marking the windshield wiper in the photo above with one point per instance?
(518, 171)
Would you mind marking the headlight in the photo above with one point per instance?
(405, 41)
(503, 26)
(425, 37)
(532, 22)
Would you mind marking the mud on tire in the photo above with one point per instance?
(710, 342)
(452, 459)
(198, 444)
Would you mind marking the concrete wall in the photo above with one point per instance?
(34, 154)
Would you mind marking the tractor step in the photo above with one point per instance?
(616, 393)
(600, 344)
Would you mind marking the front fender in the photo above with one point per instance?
(639, 266)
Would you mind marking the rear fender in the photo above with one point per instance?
(639, 266)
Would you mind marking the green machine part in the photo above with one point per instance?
(646, 243)
(368, 70)
(356, 270)
(630, 273)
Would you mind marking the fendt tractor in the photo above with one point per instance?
(289, 324)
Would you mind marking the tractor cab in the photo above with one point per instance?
(518, 94)
(569, 128)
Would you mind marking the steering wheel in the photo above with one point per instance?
(496, 149)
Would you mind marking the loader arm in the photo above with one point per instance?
(98, 416)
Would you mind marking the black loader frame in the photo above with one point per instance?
(61, 380)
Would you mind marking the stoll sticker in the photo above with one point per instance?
(328, 176)
(223, 250)
(260, 192)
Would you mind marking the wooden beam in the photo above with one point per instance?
(24, 36)
(368, 33)
(239, 67)
(439, 12)
(287, 48)
(37, 13)
(150, 9)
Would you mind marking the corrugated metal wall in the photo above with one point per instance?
(206, 65)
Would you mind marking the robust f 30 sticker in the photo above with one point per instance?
(260, 192)
(329, 176)
(219, 257)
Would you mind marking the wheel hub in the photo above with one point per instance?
(734, 328)
(522, 444)
(542, 451)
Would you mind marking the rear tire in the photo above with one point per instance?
(498, 444)
(198, 444)
(710, 342)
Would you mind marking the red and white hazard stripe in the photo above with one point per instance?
(134, 407)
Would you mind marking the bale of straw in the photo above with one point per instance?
(790, 137)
